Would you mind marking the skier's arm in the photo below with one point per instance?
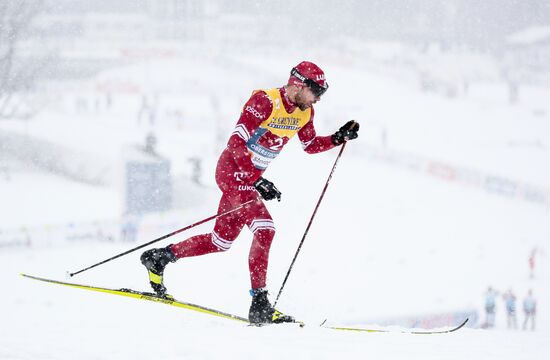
(255, 111)
(311, 143)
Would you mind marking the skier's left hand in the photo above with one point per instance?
(267, 189)
(346, 132)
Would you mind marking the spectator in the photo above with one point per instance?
(530, 310)
(490, 305)
(144, 109)
(510, 302)
(532, 263)
(129, 228)
(108, 100)
(151, 144)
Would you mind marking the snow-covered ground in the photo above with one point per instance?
(387, 243)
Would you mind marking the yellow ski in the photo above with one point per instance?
(168, 300)
(417, 332)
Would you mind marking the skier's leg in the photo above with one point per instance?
(261, 225)
(226, 229)
(258, 257)
(263, 228)
(230, 225)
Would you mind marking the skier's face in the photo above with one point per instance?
(305, 98)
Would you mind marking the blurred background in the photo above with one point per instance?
(113, 114)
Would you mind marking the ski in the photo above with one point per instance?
(416, 332)
(168, 300)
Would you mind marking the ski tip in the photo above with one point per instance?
(461, 325)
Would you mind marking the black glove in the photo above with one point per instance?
(346, 132)
(267, 190)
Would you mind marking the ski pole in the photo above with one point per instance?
(310, 222)
(165, 236)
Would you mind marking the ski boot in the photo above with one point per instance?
(261, 311)
(155, 260)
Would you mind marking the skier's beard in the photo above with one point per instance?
(300, 101)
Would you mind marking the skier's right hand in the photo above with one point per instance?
(267, 190)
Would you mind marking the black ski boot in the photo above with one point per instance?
(261, 311)
(155, 260)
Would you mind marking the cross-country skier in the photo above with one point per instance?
(269, 119)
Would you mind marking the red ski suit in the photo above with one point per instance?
(263, 129)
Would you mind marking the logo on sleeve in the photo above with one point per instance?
(253, 111)
(239, 176)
